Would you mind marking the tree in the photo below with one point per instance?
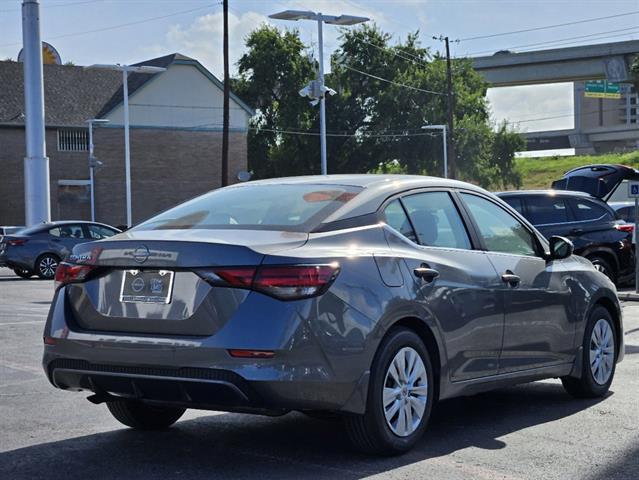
(385, 94)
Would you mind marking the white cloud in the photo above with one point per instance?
(524, 105)
(202, 38)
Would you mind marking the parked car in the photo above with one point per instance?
(371, 297)
(591, 225)
(8, 230)
(38, 250)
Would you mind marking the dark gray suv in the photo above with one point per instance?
(371, 297)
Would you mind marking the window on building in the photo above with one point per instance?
(73, 140)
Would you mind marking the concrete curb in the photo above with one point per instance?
(628, 296)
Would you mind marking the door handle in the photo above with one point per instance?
(576, 231)
(426, 273)
(510, 278)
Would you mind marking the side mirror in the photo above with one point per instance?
(560, 247)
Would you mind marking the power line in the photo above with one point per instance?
(392, 82)
(557, 25)
(573, 42)
(560, 40)
(122, 25)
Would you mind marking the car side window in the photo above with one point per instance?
(98, 232)
(500, 231)
(543, 210)
(586, 210)
(54, 232)
(71, 231)
(437, 221)
(516, 203)
(396, 217)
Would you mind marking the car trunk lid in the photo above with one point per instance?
(172, 294)
(598, 180)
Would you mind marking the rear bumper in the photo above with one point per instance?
(198, 372)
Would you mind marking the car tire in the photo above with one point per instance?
(141, 416)
(599, 349)
(602, 265)
(46, 265)
(379, 430)
(23, 272)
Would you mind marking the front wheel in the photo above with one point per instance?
(141, 416)
(400, 397)
(599, 357)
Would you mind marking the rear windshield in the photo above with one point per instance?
(288, 207)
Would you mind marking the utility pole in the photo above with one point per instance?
(36, 163)
(451, 108)
(225, 121)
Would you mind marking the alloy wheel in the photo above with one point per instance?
(48, 266)
(405, 393)
(602, 351)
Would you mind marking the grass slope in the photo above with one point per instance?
(540, 172)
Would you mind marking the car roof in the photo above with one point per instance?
(548, 192)
(375, 189)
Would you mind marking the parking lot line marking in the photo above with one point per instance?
(30, 322)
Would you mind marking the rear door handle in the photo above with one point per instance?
(510, 278)
(426, 273)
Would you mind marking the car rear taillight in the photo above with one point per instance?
(17, 242)
(68, 273)
(286, 282)
(625, 227)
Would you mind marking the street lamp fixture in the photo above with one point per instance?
(92, 160)
(443, 129)
(321, 91)
(126, 69)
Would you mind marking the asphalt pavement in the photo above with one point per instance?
(533, 431)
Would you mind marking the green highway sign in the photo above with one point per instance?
(602, 89)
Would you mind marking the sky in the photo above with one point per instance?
(129, 31)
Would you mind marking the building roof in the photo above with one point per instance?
(74, 94)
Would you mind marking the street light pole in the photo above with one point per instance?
(320, 39)
(321, 95)
(127, 146)
(92, 160)
(36, 163)
(444, 142)
(125, 69)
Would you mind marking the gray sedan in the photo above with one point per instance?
(37, 250)
(370, 297)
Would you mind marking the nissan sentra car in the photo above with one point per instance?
(370, 297)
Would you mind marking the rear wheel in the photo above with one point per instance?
(46, 265)
(141, 416)
(603, 265)
(23, 272)
(400, 397)
(599, 357)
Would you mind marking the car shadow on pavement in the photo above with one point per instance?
(293, 446)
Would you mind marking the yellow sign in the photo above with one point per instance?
(50, 55)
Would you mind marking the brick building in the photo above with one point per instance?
(176, 138)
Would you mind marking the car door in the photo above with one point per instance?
(536, 296)
(453, 281)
